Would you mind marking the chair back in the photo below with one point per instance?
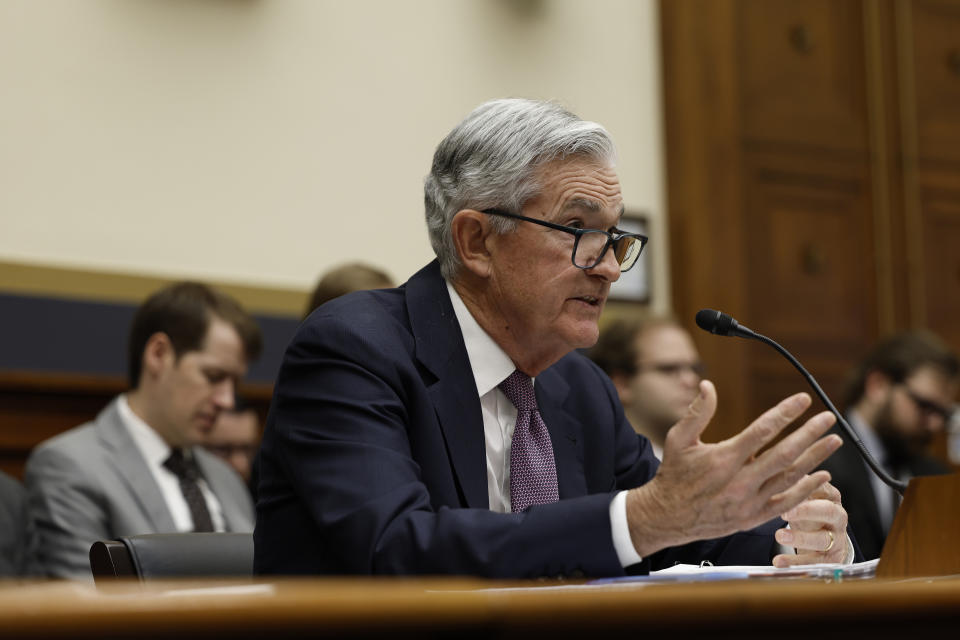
(173, 555)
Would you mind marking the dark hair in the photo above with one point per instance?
(183, 311)
(341, 280)
(898, 357)
(616, 349)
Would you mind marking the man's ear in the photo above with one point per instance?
(158, 354)
(470, 230)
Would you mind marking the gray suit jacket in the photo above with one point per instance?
(92, 483)
(17, 538)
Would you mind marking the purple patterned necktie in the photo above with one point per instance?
(533, 473)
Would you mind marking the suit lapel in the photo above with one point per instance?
(132, 468)
(234, 515)
(855, 474)
(440, 348)
(565, 434)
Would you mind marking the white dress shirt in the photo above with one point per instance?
(155, 451)
(491, 366)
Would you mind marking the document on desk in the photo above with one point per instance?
(707, 573)
(695, 573)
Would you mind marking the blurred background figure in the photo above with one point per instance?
(17, 534)
(137, 467)
(898, 398)
(235, 437)
(338, 281)
(656, 369)
(353, 276)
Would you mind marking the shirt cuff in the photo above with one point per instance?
(622, 543)
(851, 554)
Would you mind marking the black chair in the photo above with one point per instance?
(173, 555)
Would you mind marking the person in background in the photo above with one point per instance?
(354, 276)
(897, 398)
(656, 370)
(449, 426)
(137, 467)
(235, 437)
(17, 532)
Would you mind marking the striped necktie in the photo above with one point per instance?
(188, 473)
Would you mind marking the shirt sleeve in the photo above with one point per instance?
(622, 544)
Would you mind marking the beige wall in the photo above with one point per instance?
(262, 141)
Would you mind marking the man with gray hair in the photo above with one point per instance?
(407, 436)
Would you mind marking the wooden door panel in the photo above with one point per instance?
(935, 34)
(940, 205)
(810, 269)
(801, 69)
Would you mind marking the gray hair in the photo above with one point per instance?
(491, 160)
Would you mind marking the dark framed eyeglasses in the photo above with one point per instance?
(929, 407)
(590, 245)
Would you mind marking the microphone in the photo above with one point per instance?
(722, 324)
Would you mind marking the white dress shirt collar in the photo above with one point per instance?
(148, 441)
(490, 364)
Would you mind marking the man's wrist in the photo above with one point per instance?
(645, 519)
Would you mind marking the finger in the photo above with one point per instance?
(802, 465)
(786, 453)
(787, 499)
(786, 560)
(688, 429)
(765, 428)
(815, 514)
(821, 540)
(827, 492)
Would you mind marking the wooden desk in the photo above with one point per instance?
(784, 608)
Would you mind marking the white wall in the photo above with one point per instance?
(262, 141)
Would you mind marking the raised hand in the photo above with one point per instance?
(710, 490)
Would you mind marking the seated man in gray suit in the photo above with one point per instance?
(17, 538)
(136, 468)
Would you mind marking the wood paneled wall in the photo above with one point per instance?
(813, 162)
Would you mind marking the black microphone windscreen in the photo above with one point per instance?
(716, 322)
(709, 320)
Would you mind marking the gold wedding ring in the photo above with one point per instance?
(832, 540)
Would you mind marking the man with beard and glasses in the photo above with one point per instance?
(898, 398)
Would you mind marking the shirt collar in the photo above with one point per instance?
(151, 445)
(490, 364)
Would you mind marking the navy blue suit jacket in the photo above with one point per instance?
(373, 457)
